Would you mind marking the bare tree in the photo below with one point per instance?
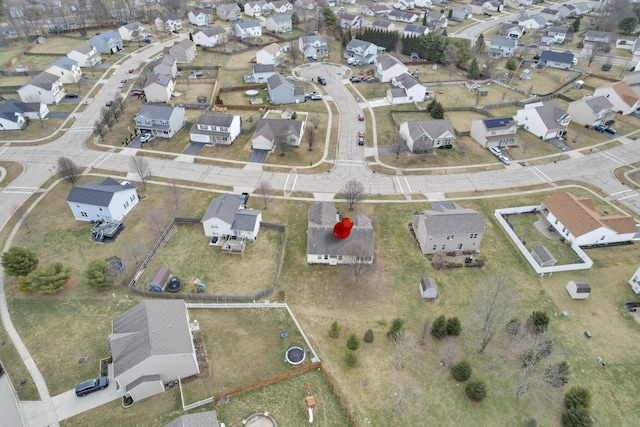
(596, 50)
(353, 192)
(176, 194)
(68, 170)
(282, 144)
(311, 136)
(397, 145)
(265, 190)
(405, 349)
(140, 165)
(357, 255)
(496, 306)
(294, 54)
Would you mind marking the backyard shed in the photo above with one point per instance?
(160, 278)
(428, 288)
(543, 257)
(578, 290)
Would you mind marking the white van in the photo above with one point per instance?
(352, 61)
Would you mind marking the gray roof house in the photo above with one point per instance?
(554, 35)
(405, 88)
(260, 73)
(160, 120)
(151, 344)
(227, 217)
(313, 45)
(543, 119)
(107, 200)
(270, 131)
(184, 51)
(448, 227)
(502, 47)
(279, 23)
(364, 52)
(210, 36)
(168, 66)
(400, 16)
(495, 132)
(413, 30)
(131, 31)
(107, 42)
(45, 87)
(388, 66)
(67, 69)
(323, 247)
(560, 60)
(15, 115)
(591, 110)
(593, 36)
(86, 55)
(228, 11)
(425, 135)
(282, 91)
(168, 22)
(215, 128)
(247, 29)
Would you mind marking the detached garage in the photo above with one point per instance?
(578, 290)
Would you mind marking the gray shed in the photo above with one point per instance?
(428, 288)
(160, 277)
(578, 290)
(543, 257)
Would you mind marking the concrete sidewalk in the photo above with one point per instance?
(9, 406)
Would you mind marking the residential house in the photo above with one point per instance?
(399, 16)
(107, 42)
(67, 69)
(247, 29)
(256, 9)
(560, 60)
(591, 110)
(86, 55)
(168, 23)
(578, 289)
(323, 247)
(184, 51)
(349, 21)
(404, 5)
(545, 119)
(513, 31)
(15, 115)
(633, 80)
(313, 46)
(577, 221)
(635, 282)
(260, 73)
(228, 12)
(502, 47)
(405, 88)
(200, 17)
(282, 91)
(279, 23)
(272, 54)
(210, 36)
(534, 23)
(305, 4)
(413, 30)
(551, 15)
(593, 37)
(280, 6)
(436, 20)
(388, 66)
(168, 65)
(422, 136)
(448, 227)
(384, 24)
(271, 132)
(554, 35)
(624, 99)
(567, 11)
(462, 12)
(215, 128)
(131, 31)
(378, 10)
(481, 6)
(364, 52)
(151, 344)
(526, 2)
(493, 6)
(107, 200)
(159, 88)
(495, 132)
(163, 121)
(207, 418)
(582, 9)
(46, 88)
(228, 217)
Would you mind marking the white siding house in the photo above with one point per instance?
(214, 128)
(67, 69)
(227, 216)
(107, 200)
(620, 94)
(545, 119)
(388, 67)
(45, 88)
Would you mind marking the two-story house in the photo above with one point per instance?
(282, 91)
(378, 10)
(279, 23)
(462, 12)
(159, 88)
(591, 110)
(400, 16)
(280, 6)
(15, 115)
(168, 23)
(163, 121)
(184, 51)
(260, 73)
(534, 23)
(168, 65)
(271, 132)
(86, 55)
(405, 88)
(422, 136)
(436, 20)
(388, 66)
(560, 60)
(108, 42)
(228, 217)
(210, 36)
(624, 99)
(502, 47)
(384, 25)
(256, 9)
(272, 54)
(551, 15)
(200, 17)
(229, 12)
(513, 31)
(501, 132)
(67, 69)
(247, 29)
(554, 35)
(545, 120)
(107, 200)
(313, 46)
(46, 88)
(350, 21)
(413, 30)
(215, 128)
(633, 80)
(364, 52)
(131, 31)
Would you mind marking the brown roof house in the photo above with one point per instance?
(448, 227)
(323, 247)
(578, 222)
(151, 344)
(621, 95)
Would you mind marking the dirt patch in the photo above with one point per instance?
(203, 362)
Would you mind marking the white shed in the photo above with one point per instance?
(428, 288)
(578, 290)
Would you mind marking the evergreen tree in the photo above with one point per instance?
(437, 110)
(368, 336)
(474, 70)
(576, 25)
(461, 371)
(19, 261)
(334, 330)
(439, 327)
(353, 342)
(454, 327)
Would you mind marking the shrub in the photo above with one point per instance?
(368, 336)
(97, 275)
(351, 358)
(576, 417)
(353, 342)
(513, 327)
(334, 330)
(218, 100)
(476, 390)
(396, 326)
(454, 327)
(461, 371)
(294, 115)
(577, 397)
(540, 321)
(439, 327)
(46, 280)
(557, 375)
(19, 261)
(531, 422)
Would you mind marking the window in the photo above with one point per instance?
(430, 238)
(556, 222)
(435, 247)
(84, 214)
(100, 209)
(564, 229)
(459, 246)
(602, 238)
(473, 236)
(444, 247)
(126, 205)
(450, 237)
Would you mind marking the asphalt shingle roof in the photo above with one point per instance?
(97, 194)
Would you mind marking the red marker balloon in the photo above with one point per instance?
(342, 229)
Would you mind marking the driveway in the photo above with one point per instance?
(53, 115)
(258, 156)
(559, 144)
(193, 148)
(68, 404)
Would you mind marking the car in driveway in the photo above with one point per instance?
(487, 14)
(495, 151)
(612, 131)
(315, 97)
(355, 79)
(145, 137)
(91, 386)
(136, 92)
(72, 95)
(600, 128)
(504, 159)
(146, 40)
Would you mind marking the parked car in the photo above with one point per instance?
(145, 137)
(72, 95)
(322, 81)
(131, 70)
(109, 103)
(176, 32)
(504, 159)
(315, 97)
(355, 79)
(600, 128)
(487, 14)
(361, 138)
(136, 92)
(291, 78)
(122, 83)
(146, 40)
(90, 386)
(495, 151)
(361, 117)
(612, 131)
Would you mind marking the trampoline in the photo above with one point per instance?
(260, 420)
(174, 285)
(295, 355)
